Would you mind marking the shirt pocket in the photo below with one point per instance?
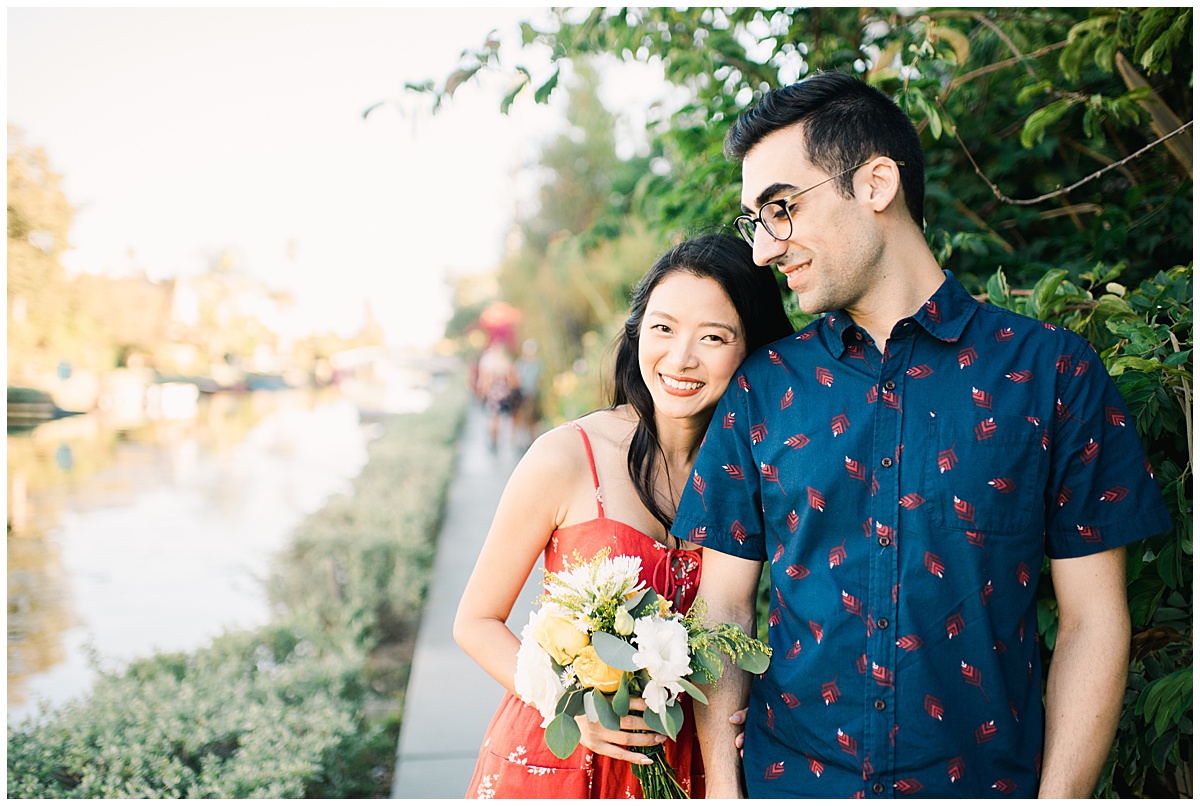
(983, 472)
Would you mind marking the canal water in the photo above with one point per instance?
(125, 539)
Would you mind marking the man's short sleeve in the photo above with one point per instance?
(721, 508)
(1101, 492)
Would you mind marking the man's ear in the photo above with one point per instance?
(879, 185)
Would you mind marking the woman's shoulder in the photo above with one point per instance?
(609, 427)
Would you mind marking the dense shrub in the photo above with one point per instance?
(298, 708)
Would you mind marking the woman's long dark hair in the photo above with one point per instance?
(759, 304)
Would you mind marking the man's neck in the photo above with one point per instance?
(902, 288)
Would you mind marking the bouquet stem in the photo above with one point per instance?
(658, 779)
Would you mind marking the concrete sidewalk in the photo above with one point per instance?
(450, 700)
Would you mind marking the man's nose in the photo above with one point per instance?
(766, 247)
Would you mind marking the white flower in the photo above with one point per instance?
(623, 623)
(535, 680)
(659, 695)
(662, 648)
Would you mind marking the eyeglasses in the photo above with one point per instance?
(774, 215)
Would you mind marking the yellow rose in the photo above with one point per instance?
(595, 673)
(560, 638)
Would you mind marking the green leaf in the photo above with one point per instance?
(615, 652)
(696, 694)
(457, 78)
(997, 289)
(709, 664)
(570, 703)
(667, 723)
(753, 660)
(543, 92)
(1039, 121)
(562, 735)
(620, 700)
(1044, 292)
(521, 83)
(598, 709)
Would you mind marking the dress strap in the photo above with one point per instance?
(587, 445)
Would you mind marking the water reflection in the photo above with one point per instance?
(127, 540)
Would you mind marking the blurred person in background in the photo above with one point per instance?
(497, 387)
(611, 481)
(528, 413)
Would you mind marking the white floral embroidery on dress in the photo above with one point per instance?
(487, 787)
(516, 756)
(540, 770)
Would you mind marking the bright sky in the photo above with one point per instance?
(181, 133)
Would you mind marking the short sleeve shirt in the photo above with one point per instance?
(905, 502)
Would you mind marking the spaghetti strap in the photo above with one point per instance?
(587, 445)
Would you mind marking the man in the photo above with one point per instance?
(903, 464)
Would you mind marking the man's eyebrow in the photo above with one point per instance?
(770, 192)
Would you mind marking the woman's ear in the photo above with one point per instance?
(879, 185)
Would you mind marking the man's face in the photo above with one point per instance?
(831, 258)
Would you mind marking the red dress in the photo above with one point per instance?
(514, 761)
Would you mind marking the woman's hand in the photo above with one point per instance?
(605, 742)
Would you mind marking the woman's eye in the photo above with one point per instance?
(660, 328)
(713, 338)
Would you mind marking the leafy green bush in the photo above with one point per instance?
(299, 708)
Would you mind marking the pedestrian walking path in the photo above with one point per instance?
(450, 700)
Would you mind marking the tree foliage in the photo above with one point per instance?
(1058, 162)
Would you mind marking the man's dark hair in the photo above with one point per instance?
(846, 121)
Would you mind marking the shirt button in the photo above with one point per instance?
(886, 461)
(858, 335)
(885, 541)
(889, 385)
(882, 623)
(880, 705)
(877, 789)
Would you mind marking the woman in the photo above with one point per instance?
(612, 480)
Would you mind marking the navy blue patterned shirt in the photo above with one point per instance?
(905, 502)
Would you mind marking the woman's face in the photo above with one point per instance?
(691, 343)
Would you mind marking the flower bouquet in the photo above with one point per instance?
(602, 637)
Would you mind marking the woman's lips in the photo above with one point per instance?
(680, 387)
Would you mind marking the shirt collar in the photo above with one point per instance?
(944, 316)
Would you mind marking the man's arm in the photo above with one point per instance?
(1088, 673)
(728, 585)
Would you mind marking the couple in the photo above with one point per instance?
(903, 465)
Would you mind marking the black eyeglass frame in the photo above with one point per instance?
(747, 225)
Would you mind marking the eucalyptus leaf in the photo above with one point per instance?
(695, 693)
(600, 710)
(562, 735)
(620, 700)
(753, 660)
(615, 652)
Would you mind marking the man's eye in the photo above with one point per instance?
(775, 212)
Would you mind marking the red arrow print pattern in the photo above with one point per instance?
(814, 765)
(776, 359)
(966, 357)
(1023, 574)
(956, 768)
(1005, 786)
(734, 472)
(919, 371)
(892, 401)
(911, 501)
(1004, 334)
(786, 400)
(728, 420)
(1022, 376)
(794, 650)
(824, 377)
(972, 676)
(758, 432)
(1115, 417)
(872, 395)
(698, 534)
(985, 593)
(883, 677)
(934, 565)
(964, 510)
(793, 520)
(774, 617)
(1090, 534)
(816, 500)
(852, 604)
(837, 554)
(947, 459)
(797, 571)
(743, 384)
(847, 743)
(908, 786)
(932, 310)
(738, 531)
(797, 442)
(954, 625)
(789, 699)
(839, 424)
(830, 692)
(1003, 485)
(985, 430)
(773, 771)
(986, 732)
(817, 631)
(861, 663)
(856, 469)
(981, 398)
(909, 643)
(1113, 494)
(771, 474)
(1063, 364)
(933, 707)
(1089, 452)
(698, 485)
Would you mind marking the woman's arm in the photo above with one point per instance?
(534, 504)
